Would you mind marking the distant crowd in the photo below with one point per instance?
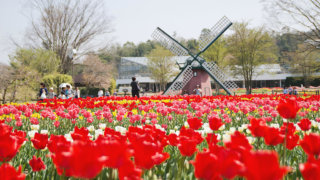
(66, 92)
(290, 91)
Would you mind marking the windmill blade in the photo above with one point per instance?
(219, 76)
(214, 33)
(168, 42)
(178, 84)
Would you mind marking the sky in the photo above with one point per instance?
(135, 20)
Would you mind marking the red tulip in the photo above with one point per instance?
(8, 172)
(212, 139)
(37, 164)
(214, 123)
(289, 127)
(257, 127)
(10, 142)
(217, 163)
(40, 141)
(288, 108)
(187, 146)
(147, 144)
(263, 165)
(195, 123)
(129, 171)
(304, 124)
(311, 169)
(238, 142)
(58, 143)
(173, 139)
(311, 144)
(80, 134)
(292, 141)
(82, 160)
(272, 136)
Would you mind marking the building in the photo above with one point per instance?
(138, 67)
(266, 75)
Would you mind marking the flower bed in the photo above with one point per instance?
(181, 137)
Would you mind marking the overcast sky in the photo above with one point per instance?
(135, 20)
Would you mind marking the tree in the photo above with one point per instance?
(6, 79)
(41, 60)
(65, 25)
(129, 49)
(302, 15)
(96, 73)
(161, 66)
(249, 47)
(304, 61)
(24, 77)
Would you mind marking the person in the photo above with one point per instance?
(66, 91)
(294, 91)
(185, 92)
(100, 93)
(77, 93)
(62, 95)
(51, 93)
(198, 91)
(290, 90)
(115, 93)
(107, 93)
(69, 92)
(135, 88)
(43, 91)
(285, 90)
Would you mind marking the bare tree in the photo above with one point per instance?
(65, 25)
(96, 73)
(301, 15)
(6, 79)
(304, 60)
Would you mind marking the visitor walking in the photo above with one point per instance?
(68, 92)
(294, 91)
(51, 93)
(107, 93)
(43, 91)
(290, 90)
(198, 91)
(62, 95)
(135, 88)
(285, 90)
(77, 93)
(100, 93)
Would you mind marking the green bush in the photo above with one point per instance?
(54, 80)
(297, 81)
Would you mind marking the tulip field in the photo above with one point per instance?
(254, 137)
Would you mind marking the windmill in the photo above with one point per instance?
(196, 70)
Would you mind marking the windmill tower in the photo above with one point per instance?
(196, 70)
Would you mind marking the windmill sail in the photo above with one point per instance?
(166, 41)
(182, 79)
(220, 77)
(211, 35)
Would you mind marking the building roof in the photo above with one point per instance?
(262, 72)
(144, 60)
(139, 79)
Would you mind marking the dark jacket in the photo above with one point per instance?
(134, 86)
(40, 91)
